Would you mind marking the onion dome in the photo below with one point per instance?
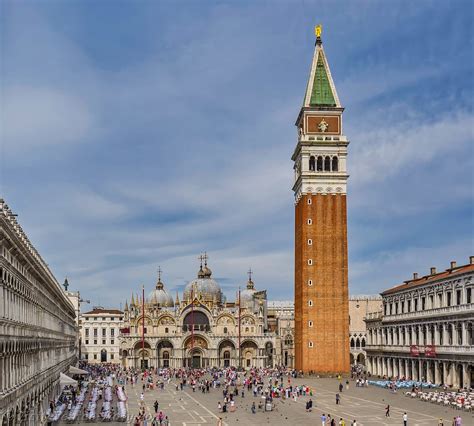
(247, 295)
(204, 287)
(159, 295)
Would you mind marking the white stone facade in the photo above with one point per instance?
(37, 328)
(100, 332)
(425, 330)
(359, 307)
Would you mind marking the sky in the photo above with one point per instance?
(138, 134)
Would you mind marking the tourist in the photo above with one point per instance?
(354, 423)
(323, 419)
(219, 406)
(405, 419)
(341, 387)
(440, 422)
(338, 399)
(387, 411)
(253, 408)
(156, 405)
(342, 422)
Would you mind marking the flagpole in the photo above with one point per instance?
(143, 326)
(240, 349)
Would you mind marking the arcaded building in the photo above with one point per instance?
(200, 328)
(425, 329)
(37, 328)
(320, 188)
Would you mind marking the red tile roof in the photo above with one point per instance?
(430, 278)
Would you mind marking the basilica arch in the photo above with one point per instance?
(226, 353)
(164, 353)
(249, 353)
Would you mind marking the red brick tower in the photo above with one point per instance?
(321, 284)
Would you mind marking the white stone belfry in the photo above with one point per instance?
(321, 151)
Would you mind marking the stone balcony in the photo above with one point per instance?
(428, 313)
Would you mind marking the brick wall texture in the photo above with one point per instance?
(329, 289)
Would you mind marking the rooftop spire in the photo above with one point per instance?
(320, 91)
(159, 284)
(250, 284)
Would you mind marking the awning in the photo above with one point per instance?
(75, 370)
(66, 380)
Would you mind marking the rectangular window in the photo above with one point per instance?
(396, 308)
(87, 332)
(458, 297)
(403, 307)
(448, 298)
(86, 356)
(104, 332)
(111, 356)
(440, 300)
(95, 342)
(468, 295)
(95, 332)
(409, 306)
(112, 341)
(416, 305)
(87, 342)
(103, 341)
(423, 303)
(112, 319)
(95, 356)
(431, 302)
(112, 332)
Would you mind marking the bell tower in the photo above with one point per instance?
(320, 187)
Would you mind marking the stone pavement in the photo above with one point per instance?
(366, 405)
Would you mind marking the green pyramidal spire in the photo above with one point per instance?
(320, 90)
(321, 94)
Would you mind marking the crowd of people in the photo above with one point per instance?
(256, 390)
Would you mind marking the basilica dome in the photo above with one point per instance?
(204, 286)
(247, 295)
(160, 297)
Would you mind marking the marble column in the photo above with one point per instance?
(437, 378)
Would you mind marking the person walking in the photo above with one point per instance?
(387, 411)
(156, 405)
(323, 420)
(253, 408)
(219, 421)
(338, 399)
(405, 419)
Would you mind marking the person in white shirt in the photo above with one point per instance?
(405, 419)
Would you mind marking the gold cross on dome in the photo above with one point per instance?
(250, 274)
(159, 273)
(205, 257)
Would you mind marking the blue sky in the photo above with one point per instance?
(138, 134)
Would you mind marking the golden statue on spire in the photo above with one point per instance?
(318, 29)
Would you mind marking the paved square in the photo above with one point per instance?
(366, 405)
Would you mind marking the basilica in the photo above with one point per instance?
(202, 329)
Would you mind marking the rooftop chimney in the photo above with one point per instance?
(415, 275)
(453, 264)
(471, 260)
(432, 270)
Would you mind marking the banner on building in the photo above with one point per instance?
(430, 351)
(414, 350)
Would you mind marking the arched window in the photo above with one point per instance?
(357, 343)
(352, 343)
(335, 165)
(312, 164)
(327, 164)
(319, 164)
(363, 343)
(225, 330)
